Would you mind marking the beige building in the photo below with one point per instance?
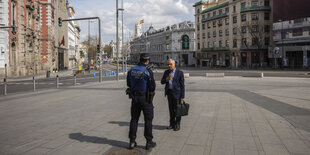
(233, 33)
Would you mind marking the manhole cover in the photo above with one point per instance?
(122, 151)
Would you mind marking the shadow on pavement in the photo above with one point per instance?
(156, 127)
(99, 140)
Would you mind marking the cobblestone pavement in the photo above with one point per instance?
(230, 115)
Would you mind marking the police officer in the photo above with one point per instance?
(141, 83)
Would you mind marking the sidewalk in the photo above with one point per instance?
(230, 115)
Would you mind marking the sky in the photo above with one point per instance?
(158, 13)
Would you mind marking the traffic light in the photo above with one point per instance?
(98, 49)
(14, 30)
(59, 22)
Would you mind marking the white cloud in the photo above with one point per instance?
(159, 13)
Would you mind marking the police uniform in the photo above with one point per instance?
(141, 81)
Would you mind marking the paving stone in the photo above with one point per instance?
(244, 143)
(272, 149)
(192, 149)
(296, 146)
(245, 152)
(222, 147)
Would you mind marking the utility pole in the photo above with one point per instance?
(117, 50)
(123, 35)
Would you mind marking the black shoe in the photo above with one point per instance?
(150, 145)
(132, 145)
(176, 128)
(170, 127)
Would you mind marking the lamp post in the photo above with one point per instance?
(117, 41)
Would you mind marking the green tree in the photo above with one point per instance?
(108, 49)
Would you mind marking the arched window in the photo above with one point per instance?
(185, 42)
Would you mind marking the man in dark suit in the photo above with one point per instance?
(175, 91)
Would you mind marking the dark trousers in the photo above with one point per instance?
(172, 101)
(139, 104)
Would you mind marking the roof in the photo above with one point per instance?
(199, 3)
(215, 7)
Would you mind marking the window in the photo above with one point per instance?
(266, 3)
(209, 25)
(267, 41)
(198, 11)
(234, 8)
(235, 43)
(198, 19)
(220, 23)
(214, 13)
(198, 27)
(254, 28)
(203, 17)
(297, 32)
(208, 15)
(227, 32)
(220, 44)
(214, 33)
(227, 43)
(198, 36)
(209, 35)
(198, 45)
(243, 17)
(220, 33)
(220, 12)
(244, 42)
(203, 36)
(254, 3)
(214, 24)
(209, 44)
(203, 26)
(234, 30)
(267, 28)
(243, 5)
(203, 45)
(226, 21)
(267, 16)
(214, 43)
(243, 29)
(283, 35)
(185, 42)
(254, 41)
(254, 16)
(227, 10)
(234, 19)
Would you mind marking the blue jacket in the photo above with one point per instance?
(140, 79)
(178, 83)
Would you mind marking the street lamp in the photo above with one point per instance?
(117, 42)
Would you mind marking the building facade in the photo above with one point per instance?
(233, 33)
(4, 37)
(25, 57)
(175, 42)
(291, 43)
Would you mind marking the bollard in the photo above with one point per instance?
(4, 84)
(74, 79)
(34, 84)
(100, 75)
(57, 81)
(94, 75)
(106, 73)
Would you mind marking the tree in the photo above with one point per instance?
(92, 47)
(108, 49)
(82, 55)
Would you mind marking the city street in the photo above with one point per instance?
(229, 115)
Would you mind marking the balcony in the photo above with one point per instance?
(214, 17)
(253, 47)
(256, 8)
(215, 49)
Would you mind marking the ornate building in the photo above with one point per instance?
(233, 33)
(175, 41)
(4, 36)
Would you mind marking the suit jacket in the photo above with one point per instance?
(178, 83)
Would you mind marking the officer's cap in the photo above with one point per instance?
(144, 57)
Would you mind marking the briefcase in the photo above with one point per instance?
(182, 109)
